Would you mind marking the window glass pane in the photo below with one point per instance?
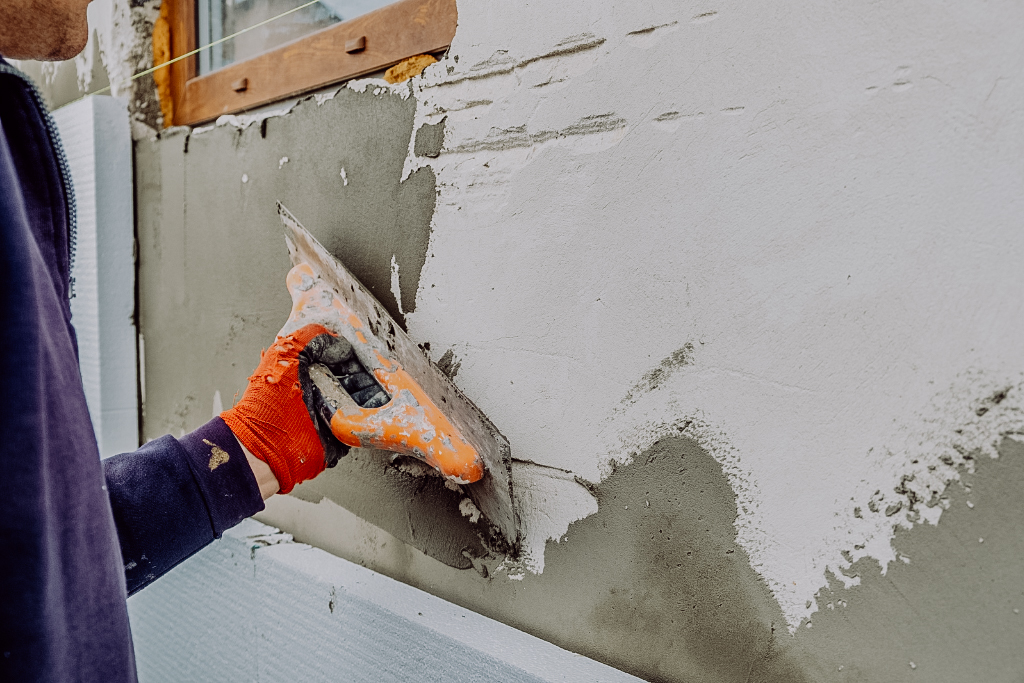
(219, 18)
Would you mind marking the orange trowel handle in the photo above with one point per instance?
(410, 423)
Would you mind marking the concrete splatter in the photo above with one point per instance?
(653, 379)
(449, 364)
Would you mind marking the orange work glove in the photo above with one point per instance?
(276, 418)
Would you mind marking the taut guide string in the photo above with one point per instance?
(204, 47)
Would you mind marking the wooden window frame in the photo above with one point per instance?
(346, 50)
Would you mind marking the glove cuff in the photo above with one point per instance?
(272, 420)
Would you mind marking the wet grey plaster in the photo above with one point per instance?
(952, 609)
(664, 592)
(371, 218)
(212, 263)
(429, 139)
(655, 584)
(652, 584)
(417, 509)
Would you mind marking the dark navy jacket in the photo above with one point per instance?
(77, 535)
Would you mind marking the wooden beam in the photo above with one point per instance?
(353, 48)
(183, 40)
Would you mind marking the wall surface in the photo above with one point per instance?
(740, 284)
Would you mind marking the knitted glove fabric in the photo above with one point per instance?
(275, 419)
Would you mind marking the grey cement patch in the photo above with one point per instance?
(950, 609)
(369, 216)
(413, 506)
(429, 139)
(652, 584)
(212, 263)
(212, 255)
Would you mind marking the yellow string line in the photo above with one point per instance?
(204, 47)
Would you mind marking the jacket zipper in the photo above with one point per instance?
(62, 166)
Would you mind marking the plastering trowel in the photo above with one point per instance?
(420, 412)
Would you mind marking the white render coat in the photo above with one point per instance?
(824, 200)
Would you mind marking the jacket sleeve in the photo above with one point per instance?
(173, 496)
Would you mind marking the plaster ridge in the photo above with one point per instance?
(549, 499)
(651, 29)
(518, 136)
(380, 86)
(500, 63)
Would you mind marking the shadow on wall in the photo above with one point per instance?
(655, 584)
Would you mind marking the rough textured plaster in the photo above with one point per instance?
(822, 202)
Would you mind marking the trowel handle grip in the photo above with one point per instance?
(407, 424)
(330, 396)
(405, 420)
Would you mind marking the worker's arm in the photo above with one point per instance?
(173, 496)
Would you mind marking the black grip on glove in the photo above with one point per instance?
(338, 356)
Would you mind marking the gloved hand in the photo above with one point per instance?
(297, 426)
(276, 418)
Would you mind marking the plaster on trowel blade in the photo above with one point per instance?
(493, 494)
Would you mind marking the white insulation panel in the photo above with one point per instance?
(97, 140)
(255, 606)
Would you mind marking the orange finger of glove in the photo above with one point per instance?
(272, 421)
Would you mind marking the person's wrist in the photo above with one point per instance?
(264, 475)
